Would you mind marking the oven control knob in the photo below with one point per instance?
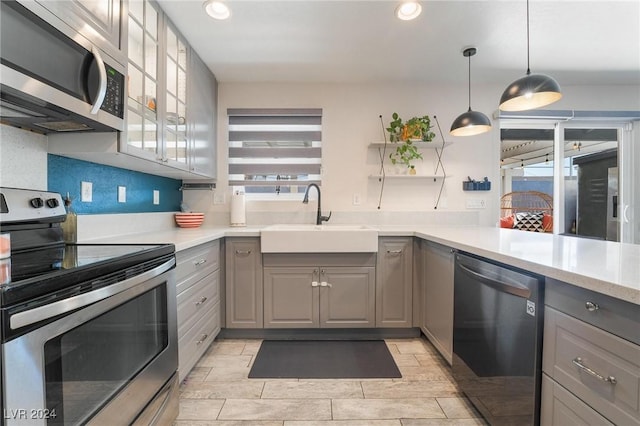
(36, 203)
(53, 203)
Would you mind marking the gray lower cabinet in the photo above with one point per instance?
(591, 358)
(310, 291)
(561, 407)
(437, 296)
(244, 292)
(290, 299)
(394, 282)
(198, 302)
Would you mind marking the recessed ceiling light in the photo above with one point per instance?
(408, 10)
(217, 9)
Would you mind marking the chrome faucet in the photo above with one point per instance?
(319, 217)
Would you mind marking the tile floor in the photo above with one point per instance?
(218, 392)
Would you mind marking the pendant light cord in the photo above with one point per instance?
(528, 67)
(469, 83)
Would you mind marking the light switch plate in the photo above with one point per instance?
(86, 195)
(122, 194)
(156, 197)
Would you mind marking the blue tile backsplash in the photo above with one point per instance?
(67, 174)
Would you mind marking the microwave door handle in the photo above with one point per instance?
(102, 87)
(501, 286)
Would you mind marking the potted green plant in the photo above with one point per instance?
(404, 134)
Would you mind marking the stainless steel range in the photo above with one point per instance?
(88, 331)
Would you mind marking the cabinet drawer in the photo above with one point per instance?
(617, 316)
(601, 369)
(194, 263)
(559, 407)
(197, 339)
(196, 300)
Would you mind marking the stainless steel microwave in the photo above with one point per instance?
(51, 82)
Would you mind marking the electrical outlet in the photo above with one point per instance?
(218, 197)
(156, 197)
(356, 199)
(476, 203)
(87, 192)
(122, 194)
(442, 203)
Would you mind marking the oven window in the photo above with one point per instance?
(86, 366)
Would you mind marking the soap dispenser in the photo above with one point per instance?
(70, 225)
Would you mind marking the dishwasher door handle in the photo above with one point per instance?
(501, 286)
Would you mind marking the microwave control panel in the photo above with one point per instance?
(114, 98)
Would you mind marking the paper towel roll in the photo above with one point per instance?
(238, 212)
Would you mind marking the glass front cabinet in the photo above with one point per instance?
(143, 121)
(160, 68)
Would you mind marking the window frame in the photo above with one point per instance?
(270, 142)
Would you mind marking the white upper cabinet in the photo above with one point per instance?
(170, 107)
(100, 21)
(142, 136)
(175, 117)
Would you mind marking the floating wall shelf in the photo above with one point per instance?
(385, 148)
(419, 145)
(408, 177)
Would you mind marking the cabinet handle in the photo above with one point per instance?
(200, 262)
(591, 307)
(578, 363)
(243, 252)
(394, 251)
(324, 283)
(201, 301)
(202, 339)
(314, 283)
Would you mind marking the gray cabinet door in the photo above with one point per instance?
(394, 282)
(244, 290)
(291, 297)
(559, 407)
(437, 310)
(311, 297)
(347, 297)
(202, 118)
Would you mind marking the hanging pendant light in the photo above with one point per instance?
(531, 91)
(471, 122)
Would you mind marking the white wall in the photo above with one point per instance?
(23, 159)
(351, 121)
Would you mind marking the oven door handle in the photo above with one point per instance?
(41, 313)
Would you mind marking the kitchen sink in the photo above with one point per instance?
(301, 238)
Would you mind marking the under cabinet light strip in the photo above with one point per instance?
(198, 186)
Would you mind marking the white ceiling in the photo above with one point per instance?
(577, 42)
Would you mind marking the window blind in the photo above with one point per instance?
(274, 151)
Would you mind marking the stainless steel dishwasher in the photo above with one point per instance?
(497, 339)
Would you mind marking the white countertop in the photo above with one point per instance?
(606, 267)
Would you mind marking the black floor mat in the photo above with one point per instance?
(324, 359)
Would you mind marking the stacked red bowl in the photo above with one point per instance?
(189, 220)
